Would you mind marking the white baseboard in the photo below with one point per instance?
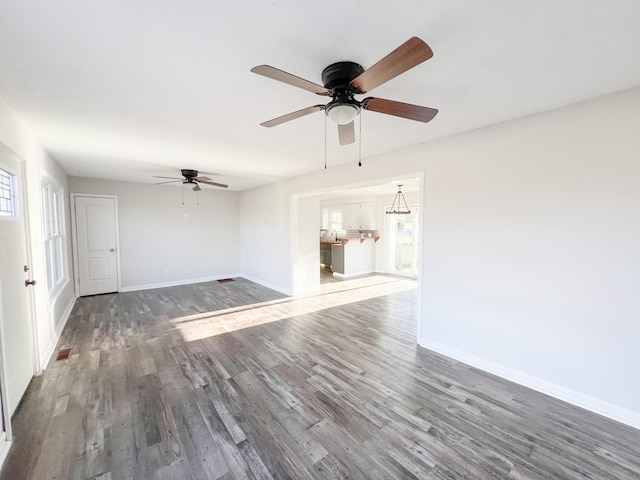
(354, 274)
(587, 402)
(4, 447)
(272, 286)
(176, 283)
(49, 351)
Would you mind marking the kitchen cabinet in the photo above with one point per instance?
(367, 216)
(324, 218)
(325, 254)
(337, 258)
(353, 257)
(346, 216)
(354, 220)
(358, 216)
(351, 216)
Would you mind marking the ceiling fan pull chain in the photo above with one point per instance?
(360, 142)
(325, 142)
(182, 189)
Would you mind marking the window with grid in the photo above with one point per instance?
(335, 220)
(8, 204)
(53, 230)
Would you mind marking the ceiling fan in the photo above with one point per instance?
(191, 178)
(343, 80)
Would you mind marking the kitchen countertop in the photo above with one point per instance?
(345, 240)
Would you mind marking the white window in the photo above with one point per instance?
(335, 220)
(53, 230)
(8, 194)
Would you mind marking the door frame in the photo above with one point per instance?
(296, 223)
(6, 434)
(74, 238)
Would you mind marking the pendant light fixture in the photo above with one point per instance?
(398, 201)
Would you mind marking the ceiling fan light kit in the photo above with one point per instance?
(343, 80)
(342, 113)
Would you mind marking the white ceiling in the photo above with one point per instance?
(387, 188)
(126, 90)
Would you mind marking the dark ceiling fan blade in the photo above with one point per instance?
(200, 179)
(215, 184)
(170, 181)
(196, 188)
(292, 116)
(172, 178)
(346, 134)
(411, 53)
(282, 76)
(399, 109)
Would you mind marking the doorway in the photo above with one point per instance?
(314, 223)
(95, 243)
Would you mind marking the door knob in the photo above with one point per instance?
(26, 268)
(112, 249)
(29, 282)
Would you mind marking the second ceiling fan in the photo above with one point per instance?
(343, 80)
(191, 177)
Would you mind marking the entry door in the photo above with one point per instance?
(97, 244)
(16, 315)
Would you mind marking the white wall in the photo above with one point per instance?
(51, 313)
(531, 235)
(530, 260)
(162, 241)
(265, 234)
(306, 243)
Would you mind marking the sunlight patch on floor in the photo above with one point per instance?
(204, 325)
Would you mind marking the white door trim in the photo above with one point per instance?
(30, 237)
(5, 442)
(74, 237)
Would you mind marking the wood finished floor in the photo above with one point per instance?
(232, 380)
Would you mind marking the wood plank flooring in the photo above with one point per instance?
(233, 380)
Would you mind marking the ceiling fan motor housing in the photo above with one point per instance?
(188, 175)
(339, 75)
(337, 78)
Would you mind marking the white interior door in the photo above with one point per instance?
(16, 316)
(96, 244)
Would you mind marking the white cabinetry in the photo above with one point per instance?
(353, 257)
(359, 216)
(367, 217)
(324, 218)
(351, 216)
(354, 220)
(346, 216)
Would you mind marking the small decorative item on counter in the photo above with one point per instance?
(361, 233)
